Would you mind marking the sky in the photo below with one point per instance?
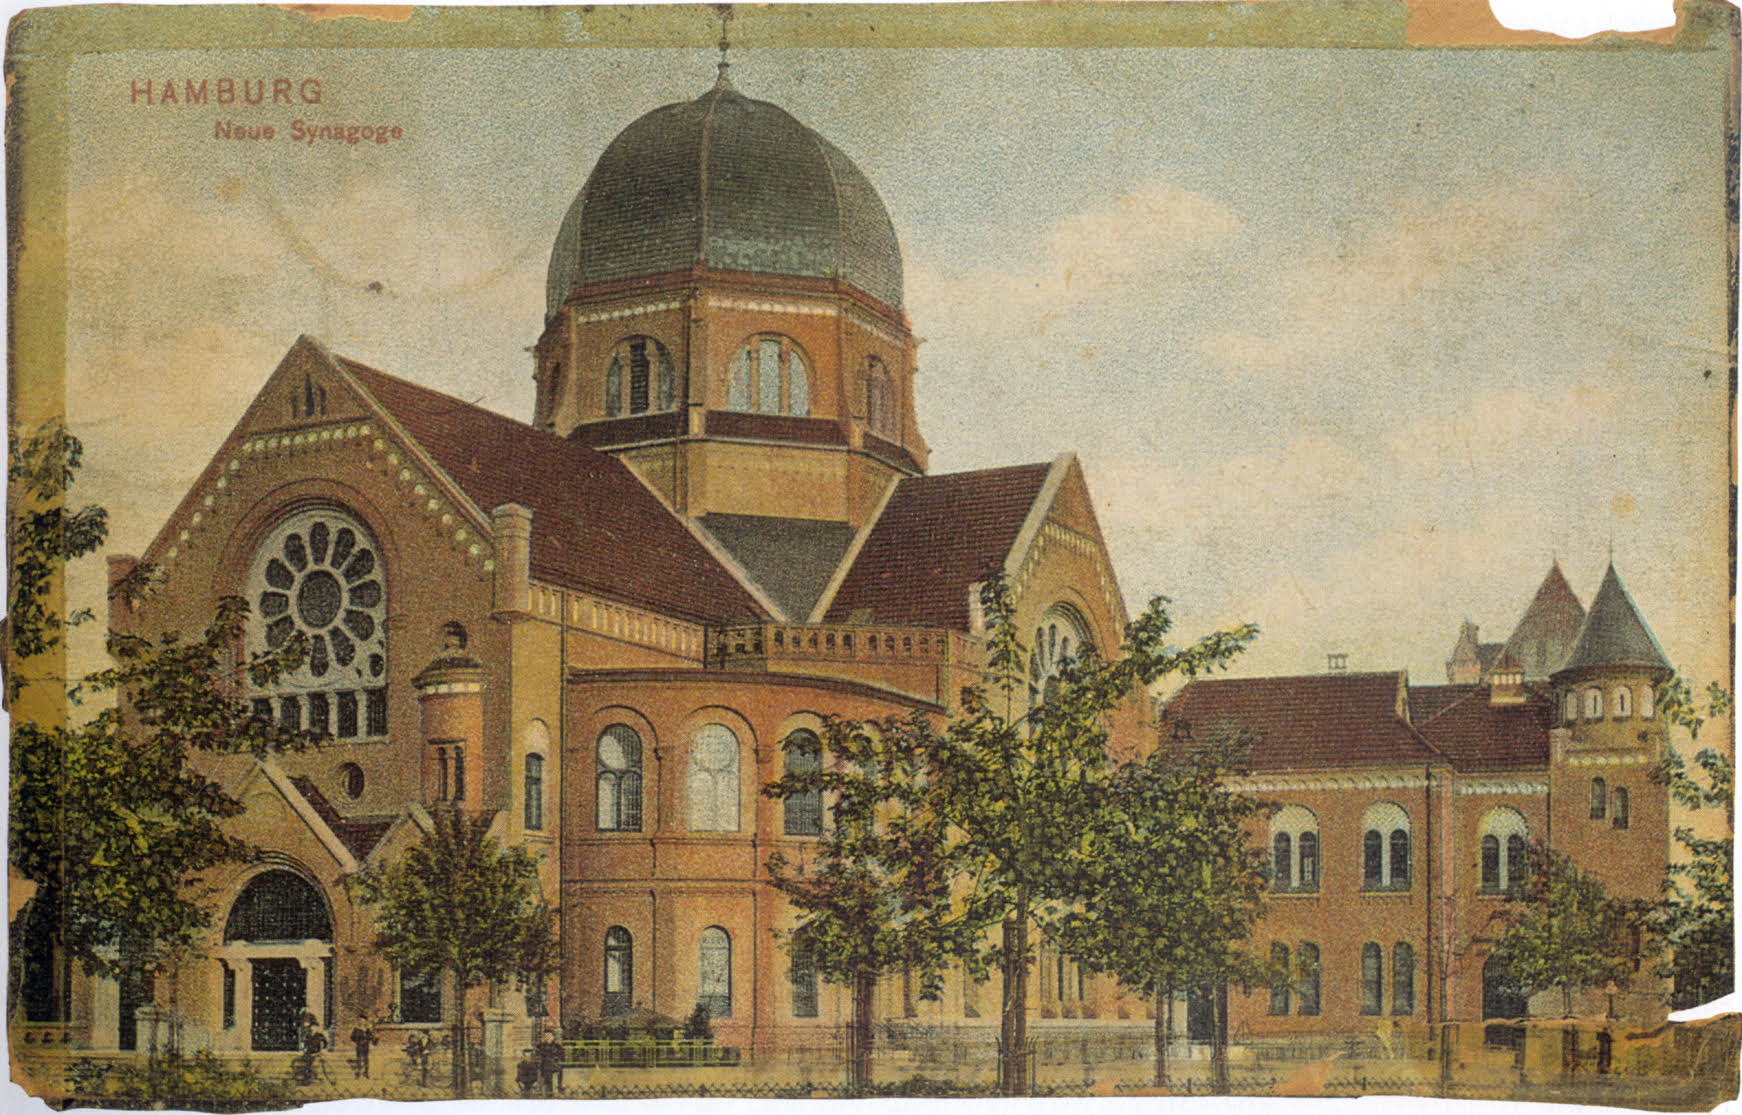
(1351, 343)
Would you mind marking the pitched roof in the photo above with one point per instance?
(791, 559)
(1317, 720)
(937, 536)
(358, 836)
(1614, 634)
(1477, 734)
(595, 526)
(1545, 634)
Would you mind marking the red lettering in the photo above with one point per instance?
(196, 94)
(281, 91)
(254, 92)
(311, 91)
(137, 91)
(168, 97)
(226, 90)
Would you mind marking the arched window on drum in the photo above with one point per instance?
(1294, 844)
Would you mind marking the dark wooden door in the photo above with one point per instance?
(280, 993)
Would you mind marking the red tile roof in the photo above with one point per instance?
(1476, 734)
(359, 837)
(937, 536)
(1315, 721)
(594, 525)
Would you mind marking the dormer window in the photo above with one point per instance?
(770, 375)
(639, 378)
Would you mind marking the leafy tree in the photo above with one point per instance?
(458, 904)
(1189, 883)
(1565, 931)
(1696, 920)
(109, 816)
(1023, 790)
(873, 893)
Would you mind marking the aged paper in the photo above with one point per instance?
(596, 402)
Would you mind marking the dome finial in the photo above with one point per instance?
(721, 82)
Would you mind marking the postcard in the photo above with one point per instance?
(804, 552)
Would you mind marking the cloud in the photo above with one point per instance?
(1417, 274)
(1132, 247)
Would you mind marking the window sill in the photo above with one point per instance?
(1382, 891)
(1295, 892)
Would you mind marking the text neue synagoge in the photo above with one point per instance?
(599, 626)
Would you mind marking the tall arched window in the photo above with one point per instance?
(1385, 847)
(1372, 979)
(1309, 978)
(713, 779)
(770, 375)
(1294, 841)
(804, 811)
(1403, 978)
(880, 412)
(318, 576)
(1505, 860)
(1621, 702)
(803, 975)
(639, 378)
(619, 972)
(619, 780)
(535, 792)
(1500, 999)
(1599, 799)
(1622, 808)
(1593, 703)
(1059, 639)
(1279, 989)
(1570, 711)
(1647, 703)
(714, 988)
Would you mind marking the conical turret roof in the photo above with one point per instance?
(1614, 634)
(1543, 637)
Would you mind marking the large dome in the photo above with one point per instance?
(731, 183)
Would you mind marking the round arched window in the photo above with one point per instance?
(1057, 640)
(639, 378)
(351, 780)
(319, 575)
(769, 376)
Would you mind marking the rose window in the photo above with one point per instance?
(318, 575)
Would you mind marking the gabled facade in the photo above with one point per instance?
(1404, 813)
(598, 628)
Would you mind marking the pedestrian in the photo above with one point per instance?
(362, 1037)
(550, 1064)
(526, 1073)
(313, 1041)
(417, 1052)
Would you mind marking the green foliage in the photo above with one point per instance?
(457, 902)
(42, 536)
(107, 816)
(193, 1081)
(1190, 884)
(1695, 923)
(873, 890)
(1565, 931)
(1025, 793)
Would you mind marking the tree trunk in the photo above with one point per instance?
(1219, 1039)
(860, 1043)
(1013, 1023)
(1163, 1008)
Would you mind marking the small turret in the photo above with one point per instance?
(450, 694)
(1606, 690)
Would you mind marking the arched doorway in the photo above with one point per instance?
(280, 932)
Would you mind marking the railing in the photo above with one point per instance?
(832, 642)
(647, 1054)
